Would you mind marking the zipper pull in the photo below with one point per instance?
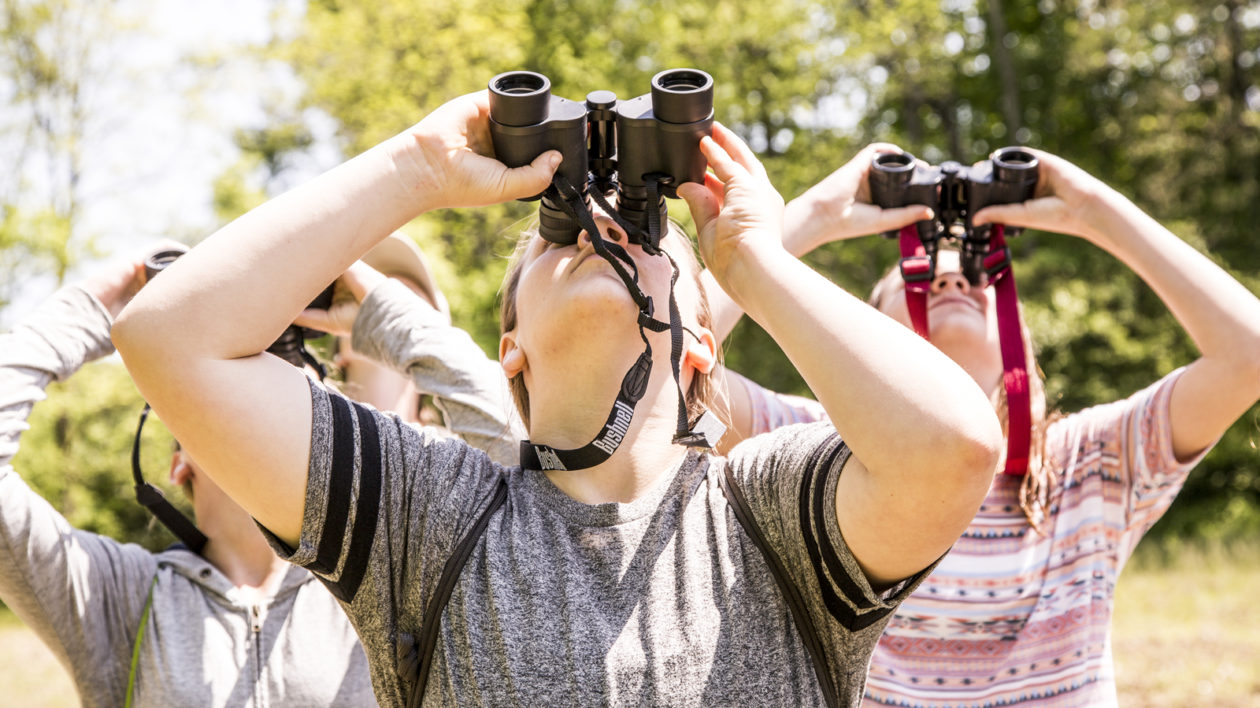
(255, 624)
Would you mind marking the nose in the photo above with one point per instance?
(608, 229)
(950, 282)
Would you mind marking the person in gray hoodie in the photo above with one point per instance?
(233, 625)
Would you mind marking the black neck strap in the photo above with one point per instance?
(708, 430)
(152, 498)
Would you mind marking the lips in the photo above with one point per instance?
(955, 299)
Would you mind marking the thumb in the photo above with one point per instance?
(704, 205)
(1035, 213)
(531, 179)
(321, 320)
(893, 219)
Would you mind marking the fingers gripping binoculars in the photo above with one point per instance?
(641, 148)
(955, 193)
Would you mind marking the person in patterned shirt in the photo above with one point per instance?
(1018, 613)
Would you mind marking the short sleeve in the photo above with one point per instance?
(386, 504)
(1127, 445)
(377, 486)
(1155, 476)
(769, 410)
(789, 478)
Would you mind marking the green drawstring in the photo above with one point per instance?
(135, 649)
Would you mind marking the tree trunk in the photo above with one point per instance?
(1006, 68)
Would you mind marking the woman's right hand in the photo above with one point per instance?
(839, 207)
(449, 158)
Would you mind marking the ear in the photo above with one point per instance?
(181, 471)
(701, 351)
(511, 356)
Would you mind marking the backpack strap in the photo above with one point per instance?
(446, 585)
(791, 595)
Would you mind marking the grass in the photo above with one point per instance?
(29, 672)
(1186, 633)
(1187, 627)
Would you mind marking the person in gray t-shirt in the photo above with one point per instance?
(630, 580)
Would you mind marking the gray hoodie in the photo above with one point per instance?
(84, 593)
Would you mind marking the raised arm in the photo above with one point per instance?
(1219, 314)
(191, 340)
(80, 592)
(835, 209)
(924, 436)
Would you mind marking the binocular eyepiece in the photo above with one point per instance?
(955, 192)
(641, 148)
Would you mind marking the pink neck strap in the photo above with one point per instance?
(917, 271)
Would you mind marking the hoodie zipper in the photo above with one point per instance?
(255, 625)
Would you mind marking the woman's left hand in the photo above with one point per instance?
(450, 159)
(349, 292)
(737, 211)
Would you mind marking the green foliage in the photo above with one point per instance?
(77, 455)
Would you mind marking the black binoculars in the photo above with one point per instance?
(642, 148)
(955, 193)
(289, 345)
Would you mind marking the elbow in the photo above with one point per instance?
(126, 334)
(133, 337)
(974, 457)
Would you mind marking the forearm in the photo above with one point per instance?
(900, 404)
(45, 564)
(396, 328)
(266, 266)
(803, 218)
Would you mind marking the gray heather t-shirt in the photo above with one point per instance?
(661, 601)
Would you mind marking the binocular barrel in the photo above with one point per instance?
(890, 177)
(156, 262)
(955, 193)
(653, 138)
(658, 138)
(526, 121)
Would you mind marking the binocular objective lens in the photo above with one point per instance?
(1014, 158)
(519, 83)
(157, 262)
(519, 98)
(683, 80)
(682, 95)
(894, 161)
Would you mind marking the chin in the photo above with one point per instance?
(957, 329)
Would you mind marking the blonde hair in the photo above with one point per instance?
(703, 392)
(1034, 492)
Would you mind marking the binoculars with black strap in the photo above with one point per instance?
(641, 148)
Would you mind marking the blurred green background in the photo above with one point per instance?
(1160, 99)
